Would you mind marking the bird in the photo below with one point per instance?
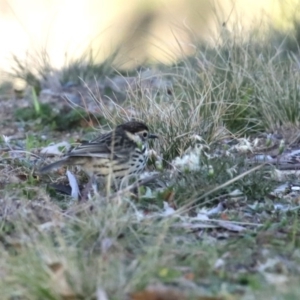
(118, 153)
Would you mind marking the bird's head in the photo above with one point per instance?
(137, 131)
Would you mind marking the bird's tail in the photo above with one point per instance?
(54, 165)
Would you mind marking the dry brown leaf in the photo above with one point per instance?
(55, 266)
(167, 294)
(224, 216)
(160, 292)
(189, 276)
(60, 283)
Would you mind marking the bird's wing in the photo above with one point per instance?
(103, 138)
(103, 147)
(92, 150)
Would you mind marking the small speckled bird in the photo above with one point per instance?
(121, 152)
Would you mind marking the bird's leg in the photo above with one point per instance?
(91, 186)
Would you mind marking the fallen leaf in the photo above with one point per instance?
(158, 293)
(231, 226)
(75, 192)
(189, 276)
(60, 283)
(168, 210)
(56, 149)
(101, 294)
(224, 216)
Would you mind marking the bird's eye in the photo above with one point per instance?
(145, 134)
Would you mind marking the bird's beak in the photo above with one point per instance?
(152, 136)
